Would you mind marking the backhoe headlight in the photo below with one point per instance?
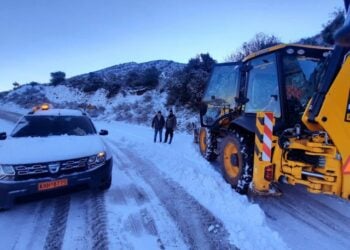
(96, 161)
(7, 172)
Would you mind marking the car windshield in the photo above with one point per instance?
(44, 126)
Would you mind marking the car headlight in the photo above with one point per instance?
(101, 157)
(7, 172)
(96, 161)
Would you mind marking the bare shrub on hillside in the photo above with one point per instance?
(258, 42)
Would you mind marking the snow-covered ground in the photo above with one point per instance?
(168, 197)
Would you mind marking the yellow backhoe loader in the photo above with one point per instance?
(282, 114)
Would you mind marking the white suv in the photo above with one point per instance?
(50, 150)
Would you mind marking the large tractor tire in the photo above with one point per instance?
(236, 158)
(207, 144)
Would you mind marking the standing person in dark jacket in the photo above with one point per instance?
(158, 125)
(170, 125)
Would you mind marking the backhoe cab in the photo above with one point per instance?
(280, 79)
(282, 113)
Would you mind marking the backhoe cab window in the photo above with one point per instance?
(221, 91)
(222, 87)
(300, 86)
(263, 92)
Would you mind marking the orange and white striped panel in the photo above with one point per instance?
(267, 137)
(346, 167)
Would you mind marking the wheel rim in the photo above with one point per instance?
(231, 160)
(203, 140)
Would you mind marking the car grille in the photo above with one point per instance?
(40, 170)
(31, 169)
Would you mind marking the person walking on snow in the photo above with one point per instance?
(170, 125)
(158, 125)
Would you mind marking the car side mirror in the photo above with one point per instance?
(103, 132)
(3, 136)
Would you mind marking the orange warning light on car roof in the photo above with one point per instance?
(45, 106)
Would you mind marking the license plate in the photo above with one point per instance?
(42, 186)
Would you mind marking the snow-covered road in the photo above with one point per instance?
(167, 197)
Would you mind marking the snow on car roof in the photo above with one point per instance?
(58, 112)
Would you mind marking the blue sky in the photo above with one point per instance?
(78, 36)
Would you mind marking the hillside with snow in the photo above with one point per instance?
(132, 103)
(119, 73)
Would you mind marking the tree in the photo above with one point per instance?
(258, 42)
(333, 25)
(94, 82)
(57, 77)
(15, 85)
(133, 79)
(325, 37)
(95, 78)
(190, 83)
(151, 77)
(147, 79)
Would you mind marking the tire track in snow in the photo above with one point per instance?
(87, 221)
(58, 223)
(38, 233)
(199, 227)
(97, 221)
(146, 218)
(77, 229)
